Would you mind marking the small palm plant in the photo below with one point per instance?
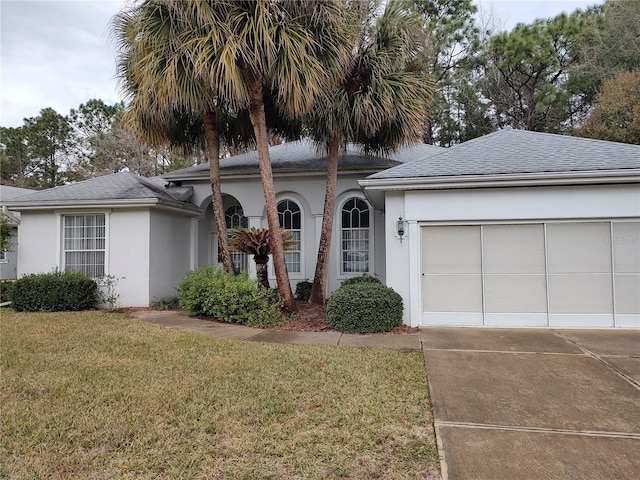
(256, 242)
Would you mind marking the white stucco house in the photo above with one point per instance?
(512, 229)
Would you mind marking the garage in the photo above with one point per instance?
(557, 274)
(515, 229)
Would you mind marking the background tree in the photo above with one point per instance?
(452, 56)
(16, 167)
(37, 154)
(526, 73)
(616, 114)
(91, 119)
(610, 43)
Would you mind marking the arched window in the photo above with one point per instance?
(355, 236)
(234, 218)
(290, 218)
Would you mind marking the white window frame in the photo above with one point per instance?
(239, 259)
(301, 273)
(61, 237)
(342, 273)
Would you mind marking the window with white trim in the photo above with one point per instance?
(84, 244)
(290, 218)
(354, 232)
(234, 218)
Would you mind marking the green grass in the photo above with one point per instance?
(93, 395)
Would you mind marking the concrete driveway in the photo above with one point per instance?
(535, 404)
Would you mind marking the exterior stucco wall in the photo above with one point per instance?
(170, 249)
(308, 193)
(127, 249)
(459, 206)
(128, 245)
(38, 243)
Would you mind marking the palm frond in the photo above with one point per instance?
(256, 241)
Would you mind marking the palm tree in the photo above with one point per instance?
(378, 103)
(164, 88)
(294, 49)
(257, 242)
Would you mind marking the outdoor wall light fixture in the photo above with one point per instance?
(401, 229)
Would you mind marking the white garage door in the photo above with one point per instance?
(547, 274)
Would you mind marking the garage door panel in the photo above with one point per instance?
(453, 249)
(579, 247)
(515, 294)
(580, 294)
(627, 294)
(452, 293)
(513, 248)
(510, 274)
(626, 247)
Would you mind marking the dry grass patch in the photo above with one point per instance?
(97, 395)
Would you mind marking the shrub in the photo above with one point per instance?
(55, 292)
(364, 307)
(229, 298)
(361, 279)
(303, 290)
(7, 287)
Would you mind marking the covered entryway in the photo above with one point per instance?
(571, 274)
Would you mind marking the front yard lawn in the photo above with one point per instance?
(97, 395)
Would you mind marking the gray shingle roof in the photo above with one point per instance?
(8, 193)
(520, 152)
(117, 186)
(303, 156)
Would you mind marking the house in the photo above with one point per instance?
(147, 233)
(511, 229)
(515, 228)
(9, 259)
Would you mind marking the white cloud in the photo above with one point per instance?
(55, 54)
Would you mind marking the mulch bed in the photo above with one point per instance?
(313, 318)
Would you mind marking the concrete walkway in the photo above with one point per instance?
(230, 331)
(508, 403)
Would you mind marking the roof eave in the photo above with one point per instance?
(502, 180)
(276, 173)
(109, 203)
(374, 188)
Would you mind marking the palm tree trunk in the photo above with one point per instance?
(258, 120)
(213, 149)
(261, 270)
(319, 288)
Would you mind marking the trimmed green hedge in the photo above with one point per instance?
(364, 307)
(7, 287)
(229, 298)
(55, 292)
(361, 279)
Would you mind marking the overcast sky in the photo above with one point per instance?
(58, 53)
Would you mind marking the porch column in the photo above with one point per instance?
(193, 248)
(253, 222)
